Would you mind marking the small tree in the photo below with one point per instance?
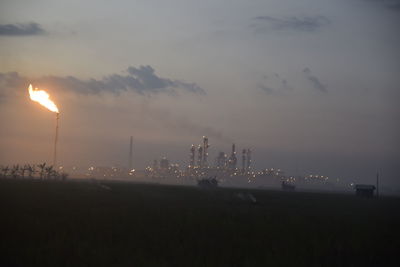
(5, 171)
(42, 169)
(14, 171)
(31, 170)
(64, 176)
(54, 174)
(49, 172)
(23, 169)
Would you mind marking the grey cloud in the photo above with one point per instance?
(170, 121)
(266, 89)
(282, 84)
(21, 29)
(148, 79)
(390, 4)
(302, 24)
(9, 81)
(314, 80)
(188, 126)
(285, 85)
(142, 80)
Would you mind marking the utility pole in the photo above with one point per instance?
(377, 184)
(130, 154)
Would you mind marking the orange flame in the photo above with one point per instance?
(42, 97)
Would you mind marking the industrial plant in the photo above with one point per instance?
(230, 170)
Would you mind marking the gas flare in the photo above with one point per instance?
(43, 98)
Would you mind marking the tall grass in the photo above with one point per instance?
(53, 223)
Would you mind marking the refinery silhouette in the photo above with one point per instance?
(230, 170)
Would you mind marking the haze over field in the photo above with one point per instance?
(310, 86)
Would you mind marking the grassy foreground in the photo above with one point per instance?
(84, 224)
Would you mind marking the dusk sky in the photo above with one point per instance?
(311, 86)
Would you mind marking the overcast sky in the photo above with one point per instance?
(311, 86)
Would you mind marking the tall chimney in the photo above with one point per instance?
(200, 156)
(377, 184)
(244, 160)
(232, 158)
(205, 151)
(130, 154)
(192, 156)
(248, 159)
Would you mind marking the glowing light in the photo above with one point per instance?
(43, 98)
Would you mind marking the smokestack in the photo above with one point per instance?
(192, 156)
(377, 184)
(248, 159)
(200, 156)
(221, 160)
(155, 164)
(130, 154)
(55, 142)
(244, 160)
(205, 151)
(232, 158)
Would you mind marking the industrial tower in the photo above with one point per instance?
(232, 159)
(200, 156)
(192, 156)
(205, 151)
(244, 152)
(248, 159)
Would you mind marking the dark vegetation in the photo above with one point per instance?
(211, 182)
(55, 223)
(32, 171)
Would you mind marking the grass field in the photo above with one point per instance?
(84, 224)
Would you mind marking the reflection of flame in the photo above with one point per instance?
(42, 98)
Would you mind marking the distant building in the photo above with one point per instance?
(205, 151)
(192, 157)
(364, 190)
(155, 165)
(221, 160)
(164, 163)
(248, 154)
(232, 161)
(200, 156)
(287, 187)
